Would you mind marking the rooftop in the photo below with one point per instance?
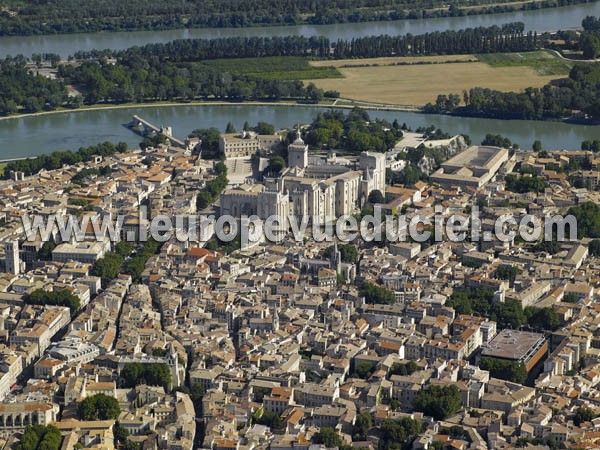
(512, 344)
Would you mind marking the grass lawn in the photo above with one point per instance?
(543, 62)
(274, 68)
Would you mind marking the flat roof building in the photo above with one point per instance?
(473, 167)
(520, 346)
(85, 252)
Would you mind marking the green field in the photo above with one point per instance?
(543, 62)
(274, 68)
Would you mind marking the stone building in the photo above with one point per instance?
(321, 192)
(247, 143)
(16, 416)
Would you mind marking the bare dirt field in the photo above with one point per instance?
(401, 81)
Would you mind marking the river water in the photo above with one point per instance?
(549, 19)
(29, 136)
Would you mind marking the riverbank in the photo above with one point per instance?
(540, 20)
(340, 103)
(32, 136)
(357, 17)
(401, 83)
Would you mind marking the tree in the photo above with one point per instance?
(348, 252)
(328, 437)
(537, 146)
(398, 434)
(61, 297)
(313, 93)
(455, 432)
(410, 175)
(550, 247)
(570, 297)
(404, 369)
(157, 375)
(523, 184)
(131, 373)
(590, 45)
(542, 319)
(594, 247)
(40, 437)
(230, 128)
(439, 402)
(124, 248)
(362, 425)
(264, 128)
(505, 370)
(583, 414)
(276, 165)
(107, 267)
(210, 141)
(121, 434)
(196, 393)
(375, 197)
(130, 445)
(154, 374)
(376, 294)
(31, 166)
(364, 370)
(99, 407)
(496, 140)
(268, 418)
(587, 216)
(30, 439)
(507, 272)
(45, 253)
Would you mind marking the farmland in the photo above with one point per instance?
(419, 80)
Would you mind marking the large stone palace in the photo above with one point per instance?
(321, 191)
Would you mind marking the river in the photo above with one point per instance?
(35, 135)
(29, 136)
(549, 19)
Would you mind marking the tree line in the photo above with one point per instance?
(509, 37)
(61, 297)
(178, 70)
(213, 188)
(150, 79)
(122, 261)
(35, 437)
(72, 16)
(509, 314)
